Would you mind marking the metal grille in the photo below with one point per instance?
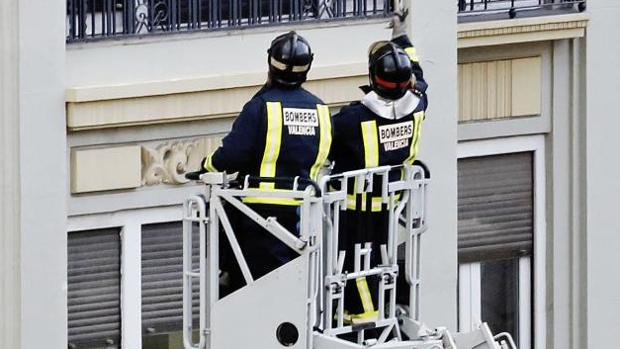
(513, 7)
(91, 19)
(93, 296)
(495, 207)
(162, 277)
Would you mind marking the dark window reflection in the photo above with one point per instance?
(500, 295)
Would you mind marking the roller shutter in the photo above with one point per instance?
(93, 296)
(162, 277)
(495, 207)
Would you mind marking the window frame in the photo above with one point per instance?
(536, 145)
(470, 302)
(130, 223)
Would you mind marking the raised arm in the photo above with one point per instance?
(400, 38)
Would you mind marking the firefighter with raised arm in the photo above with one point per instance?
(283, 131)
(381, 129)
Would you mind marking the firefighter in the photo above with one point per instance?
(381, 129)
(283, 131)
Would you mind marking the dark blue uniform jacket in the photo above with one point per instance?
(279, 133)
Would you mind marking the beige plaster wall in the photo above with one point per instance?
(499, 89)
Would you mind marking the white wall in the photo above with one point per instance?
(212, 54)
(603, 188)
(43, 170)
(434, 34)
(10, 288)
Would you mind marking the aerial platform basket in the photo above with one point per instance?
(301, 304)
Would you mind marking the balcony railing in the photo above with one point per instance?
(495, 9)
(96, 19)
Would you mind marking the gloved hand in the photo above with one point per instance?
(196, 174)
(397, 23)
(419, 88)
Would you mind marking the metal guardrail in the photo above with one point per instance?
(97, 19)
(514, 7)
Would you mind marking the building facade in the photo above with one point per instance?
(106, 104)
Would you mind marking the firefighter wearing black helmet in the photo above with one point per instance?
(283, 131)
(381, 129)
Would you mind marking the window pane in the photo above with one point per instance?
(93, 297)
(499, 293)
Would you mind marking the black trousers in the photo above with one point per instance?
(355, 227)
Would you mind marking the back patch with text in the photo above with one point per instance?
(300, 122)
(396, 136)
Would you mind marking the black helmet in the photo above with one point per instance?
(389, 70)
(289, 59)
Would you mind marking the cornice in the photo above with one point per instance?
(544, 28)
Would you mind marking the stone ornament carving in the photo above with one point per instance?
(167, 163)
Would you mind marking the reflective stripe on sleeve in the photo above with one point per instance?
(412, 53)
(272, 143)
(413, 149)
(208, 165)
(371, 144)
(325, 140)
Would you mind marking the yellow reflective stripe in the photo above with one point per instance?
(325, 140)
(359, 318)
(364, 291)
(371, 143)
(413, 149)
(208, 165)
(272, 143)
(376, 202)
(271, 201)
(412, 53)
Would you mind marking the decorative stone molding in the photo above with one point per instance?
(488, 33)
(193, 99)
(521, 29)
(167, 163)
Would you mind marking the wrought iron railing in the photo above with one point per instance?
(93, 19)
(512, 8)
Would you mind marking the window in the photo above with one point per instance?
(500, 236)
(93, 297)
(107, 247)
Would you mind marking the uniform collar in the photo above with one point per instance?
(391, 109)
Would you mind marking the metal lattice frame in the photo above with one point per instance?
(512, 7)
(325, 280)
(100, 19)
(408, 210)
(207, 212)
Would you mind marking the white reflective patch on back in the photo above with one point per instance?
(300, 122)
(396, 136)
(300, 117)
